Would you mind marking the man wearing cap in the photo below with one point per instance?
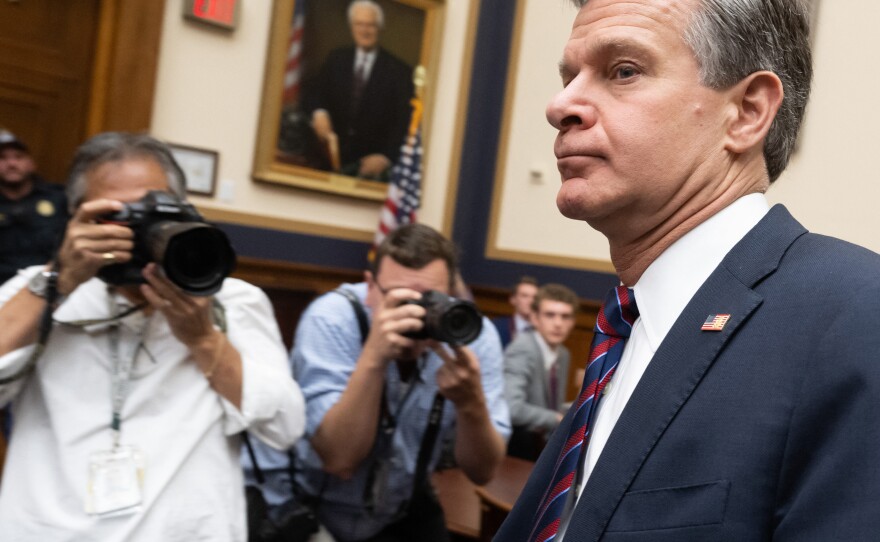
(33, 212)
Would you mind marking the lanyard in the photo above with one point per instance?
(122, 368)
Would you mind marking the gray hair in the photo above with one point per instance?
(380, 15)
(732, 39)
(117, 147)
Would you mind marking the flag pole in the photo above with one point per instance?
(419, 76)
(404, 186)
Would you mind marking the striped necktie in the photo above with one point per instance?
(359, 82)
(613, 326)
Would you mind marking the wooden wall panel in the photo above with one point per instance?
(45, 74)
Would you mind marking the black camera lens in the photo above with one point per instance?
(196, 257)
(448, 319)
(461, 324)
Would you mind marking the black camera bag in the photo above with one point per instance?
(293, 521)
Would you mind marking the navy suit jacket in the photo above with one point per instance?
(767, 430)
(504, 324)
(381, 120)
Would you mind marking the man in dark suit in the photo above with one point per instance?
(536, 371)
(521, 320)
(744, 404)
(360, 101)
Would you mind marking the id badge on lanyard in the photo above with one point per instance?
(116, 476)
(116, 479)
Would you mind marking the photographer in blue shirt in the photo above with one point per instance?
(369, 398)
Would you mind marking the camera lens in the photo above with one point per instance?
(195, 256)
(461, 324)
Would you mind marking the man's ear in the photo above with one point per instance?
(756, 99)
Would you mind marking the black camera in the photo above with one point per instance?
(447, 319)
(194, 255)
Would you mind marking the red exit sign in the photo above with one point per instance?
(222, 13)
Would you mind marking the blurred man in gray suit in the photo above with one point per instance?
(536, 371)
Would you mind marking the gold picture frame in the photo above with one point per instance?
(302, 40)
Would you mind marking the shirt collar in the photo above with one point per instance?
(548, 353)
(364, 56)
(669, 283)
(521, 324)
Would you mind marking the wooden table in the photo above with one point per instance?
(461, 498)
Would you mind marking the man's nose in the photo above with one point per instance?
(572, 107)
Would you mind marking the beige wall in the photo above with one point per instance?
(208, 95)
(832, 184)
(210, 83)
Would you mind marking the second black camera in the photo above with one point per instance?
(447, 319)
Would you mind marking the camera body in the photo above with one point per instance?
(193, 254)
(447, 319)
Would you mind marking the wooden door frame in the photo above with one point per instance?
(125, 66)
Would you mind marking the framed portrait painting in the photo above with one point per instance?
(337, 94)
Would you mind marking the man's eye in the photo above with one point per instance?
(625, 71)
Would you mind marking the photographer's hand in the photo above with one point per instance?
(479, 448)
(190, 320)
(458, 379)
(386, 340)
(80, 257)
(88, 246)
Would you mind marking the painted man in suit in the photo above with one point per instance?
(744, 406)
(521, 320)
(536, 371)
(360, 99)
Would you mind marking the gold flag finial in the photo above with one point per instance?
(420, 76)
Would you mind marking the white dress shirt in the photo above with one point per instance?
(548, 353)
(662, 293)
(365, 59)
(192, 483)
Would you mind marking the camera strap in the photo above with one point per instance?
(388, 422)
(218, 312)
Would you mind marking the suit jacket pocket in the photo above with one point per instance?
(671, 507)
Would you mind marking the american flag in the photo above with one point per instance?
(292, 69)
(404, 189)
(715, 322)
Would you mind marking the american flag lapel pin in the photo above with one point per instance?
(715, 322)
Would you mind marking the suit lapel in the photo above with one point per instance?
(679, 364)
(542, 375)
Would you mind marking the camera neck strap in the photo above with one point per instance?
(388, 423)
